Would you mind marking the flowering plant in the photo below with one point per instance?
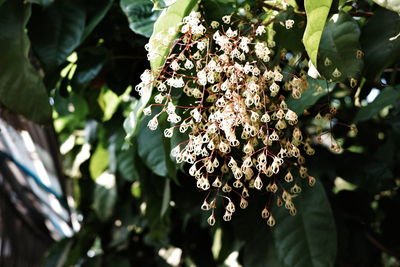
(241, 134)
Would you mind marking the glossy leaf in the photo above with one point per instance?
(380, 41)
(21, 88)
(140, 15)
(317, 12)
(389, 4)
(388, 96)
(340, 56)
(56, 31)
(309, 238)
(154, 149)
(170, 18)
(127, 164)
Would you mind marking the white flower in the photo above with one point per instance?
(289, 23)
(175, 65)
(201, 46)
(147, 111)
(153, 123)
(169, 132)
(226, 19)
(159, 98)
(188, 64)
(162, 87)
(230, 33)
(214, 24)
(260, 30)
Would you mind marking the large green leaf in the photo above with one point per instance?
(2, 1)
(388, 96)
(56, 31)
(170, 18)
(21, 88)
(317, 12)
(127, 164)
(309, 238)
(380, 42)
(154, 149)
(140, 15)
(340, 56)
(389, 4)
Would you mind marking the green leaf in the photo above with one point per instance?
(388, 96)
(317, 12)
(2, 1)
(56, 31)
(134, 119)
(140, 15)
(109, 102)
(170, 18)
(389, 4)
(316, 90)
(98, 161)
(309, 238)
(380, 42)
(89, 64)
(154, 149)
(340, 56)
(105, 196)
(21, 88)
(161, 4)
(126, 164)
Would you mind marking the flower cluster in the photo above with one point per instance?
(242, 136)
